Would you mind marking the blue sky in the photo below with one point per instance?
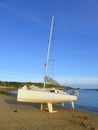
(24, 33)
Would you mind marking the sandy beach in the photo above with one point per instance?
(28, 116)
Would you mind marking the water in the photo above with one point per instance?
(13, 92)
(87, 100)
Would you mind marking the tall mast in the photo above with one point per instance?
(49, 43)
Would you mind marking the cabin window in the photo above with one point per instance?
(52, 91)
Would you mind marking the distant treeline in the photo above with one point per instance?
(21, 84)
(14, 84)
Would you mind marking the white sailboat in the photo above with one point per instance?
(44, 95)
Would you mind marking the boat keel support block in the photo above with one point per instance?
(72, 103)
(42, 106)
(50, 108)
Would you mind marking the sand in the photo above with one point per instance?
(28, 116)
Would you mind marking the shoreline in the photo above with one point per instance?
(28, 116)
(85, 108)
(92, 110)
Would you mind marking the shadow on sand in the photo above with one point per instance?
(15, 102)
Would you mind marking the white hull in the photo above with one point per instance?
(44, 97)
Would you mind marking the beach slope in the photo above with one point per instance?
(28, 116)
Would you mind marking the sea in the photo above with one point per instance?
(87, 101)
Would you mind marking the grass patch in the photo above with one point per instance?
(5, 92)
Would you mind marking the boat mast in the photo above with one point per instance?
(49, 43)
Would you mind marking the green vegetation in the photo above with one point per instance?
(5, 92)
(14, 84)
(21, 84)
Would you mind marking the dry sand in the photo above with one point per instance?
(28, 116)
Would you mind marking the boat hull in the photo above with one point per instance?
(43, 97)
